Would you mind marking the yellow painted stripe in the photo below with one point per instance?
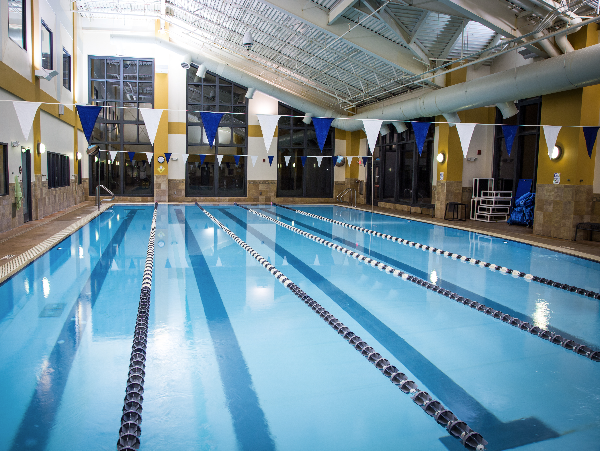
(254, 131)
(176, 128)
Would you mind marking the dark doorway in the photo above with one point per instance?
(26, 168)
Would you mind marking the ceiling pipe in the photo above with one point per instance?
(307, 119)
(452, 119)
(508, 109)
(563, 43)
(384, 130)
(547, 45)
(400, 126)
(568, 71)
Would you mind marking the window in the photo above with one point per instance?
(405, 176)
(121, 85)
(58, 170)
(204, 175)
(16, 22)
(66, 69)
(46, 35)
(296, 140)
(3, 169)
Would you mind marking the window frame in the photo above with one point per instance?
(23, 25)
(59, 169)
(51, 36)
(66, 55)
(4, 157)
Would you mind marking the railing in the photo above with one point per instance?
(98, 200)
(351, 197)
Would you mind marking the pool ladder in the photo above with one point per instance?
(351, 197)
(98, 199)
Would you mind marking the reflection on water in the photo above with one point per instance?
(541, 315)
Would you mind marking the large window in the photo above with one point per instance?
(46, 36)
(204, 175)
(121, 86)
(16, 22)
(522, 161)
(58, 170)
(296, 140)
(3, 169)
(66, 69)
(405, 175)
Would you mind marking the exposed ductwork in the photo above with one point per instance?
(568, 71)
(508, 109)
(547, 46)
(563, 43)
(452, 119)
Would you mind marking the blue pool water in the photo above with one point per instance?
(236, 361)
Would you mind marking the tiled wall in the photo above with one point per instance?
(10, 217)
(446, 191)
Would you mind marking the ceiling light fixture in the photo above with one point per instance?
(248, 40)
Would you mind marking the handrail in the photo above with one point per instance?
(98, 200)
(351, 198)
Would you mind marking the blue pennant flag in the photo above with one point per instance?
(322, 125)
(510, 131)
(131, 155)
(590, 138)
(303, 160)
(88, 115)
(202, 157)
(365, 159)
(271, 160)
(168, 156)
(420, 129)
(237, 159)
(334, 159)
(211, 124)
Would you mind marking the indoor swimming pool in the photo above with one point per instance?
(236, 359)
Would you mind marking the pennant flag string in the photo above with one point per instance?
(131, 155)
(590, 138)
(237, 159)
(303, 159)
(509, 131)
(270, 160)
(465, 133)
(26, 112)
(220, 158)
(87, 116)
(287, 159)
(364, 160)
(211, 124)
(149, 156)
(268, 123)
(372, 127)
(551, 134)
(322, 125)
(254, 158)
(420, 129)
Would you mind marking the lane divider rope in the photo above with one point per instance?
(552, 337)
(458, 257)
(431, 406)
(130, 431)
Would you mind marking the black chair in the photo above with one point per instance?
(454, 209)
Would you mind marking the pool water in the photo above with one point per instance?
(236, 361)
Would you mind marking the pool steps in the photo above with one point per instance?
(552, 337)
(130, 431)
(462, 258)
(432, 407)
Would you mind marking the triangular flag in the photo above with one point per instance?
(26, 112)
(185, 156)
(168, 264)
(350, 160)
(303, 159)
(287, 159)
(465, 133)
(420, 129)
(237, 159)
(271, 160)
(211, 124)
(551, 134)
(87, 116)
(372, 127)
(254, 158)
(365, 159)
(322, 125)
(114, 266)
(113, 154)
(334, 160)
(268, 123)
(285, 262)
(202, 157)
(219, 262)
(149, 156)
(316, 263)
(131, 155)
(590, 138)
(220, 158)
(319, 159)
(510, 131)
(168, 156)
(151, 118)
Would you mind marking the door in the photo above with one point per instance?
(26, 173)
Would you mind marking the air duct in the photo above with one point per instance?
(563, 43)
(452, 119)
(307, 119)
(508, 109)
(187, 61)
(384, 130)
(547, 46)
(250, 93)
(399, 126)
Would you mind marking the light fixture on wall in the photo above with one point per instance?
(187, 61)
(79, 155)
(556, 153)
(93, 150)
(441, 157)
(41, 148)
(46, 75)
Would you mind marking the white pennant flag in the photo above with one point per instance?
(465, 133)
(268, 123)
(551, 133)
(151, 119)
(220, 158)
(149, 156)
(113, 154)
(287, 159)
(319, 159)
(185, 156)
(254, 158)
(349, 159)
(26, 114)
(372, 127)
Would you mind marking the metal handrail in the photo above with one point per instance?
(98, 200)
(351, 198)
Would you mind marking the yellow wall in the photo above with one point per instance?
(161, 142)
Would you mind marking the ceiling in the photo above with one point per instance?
(354, 53)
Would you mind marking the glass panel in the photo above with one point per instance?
(311, 138)
(194, 94)
(389, 173)
(129, 111)
(298, 138)
(130, 70)
(98, 133)
(145, 70)
(130, 132)
(98, 68)
(225, 95)
(145, 105)
(66, 70)
(297, 121)
(113, 90)
(528, 149)
(113, 69)
(406, 173)
(201, 177)
(239, 136)
(16, 22)
(139, 148)
(209, 95)
(111, 113)
(195, 134)
(46, 46)
(317, 181)
(112, 132)
(424, 174)
(98, 90)
(143, 135)
(210, 78)
(224, 134)
(138, 176)
(114, 173)
(130, 91)
(194, 115)
(232, 177)
(239, 95)
(146, 92)
(290, 176)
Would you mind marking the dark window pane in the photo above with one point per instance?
(113, 69)
(113, 90)
(129, 112)
(146, 92)
(209, 95)
(143, 134)
(98, 68)
(130, 92)
(224, 95)
(16, 22)
(113, 132)
(146, 71)
(130, 132)
(130, 69)
(66, 70)
(138, 176)
(3, 170)
(46, 46)
(194, 94)
(98, 90)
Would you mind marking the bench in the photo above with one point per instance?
(591, 226)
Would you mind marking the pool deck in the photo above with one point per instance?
(20, 241)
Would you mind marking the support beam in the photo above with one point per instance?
(418, 25)
(338, 10)
(453, 39)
